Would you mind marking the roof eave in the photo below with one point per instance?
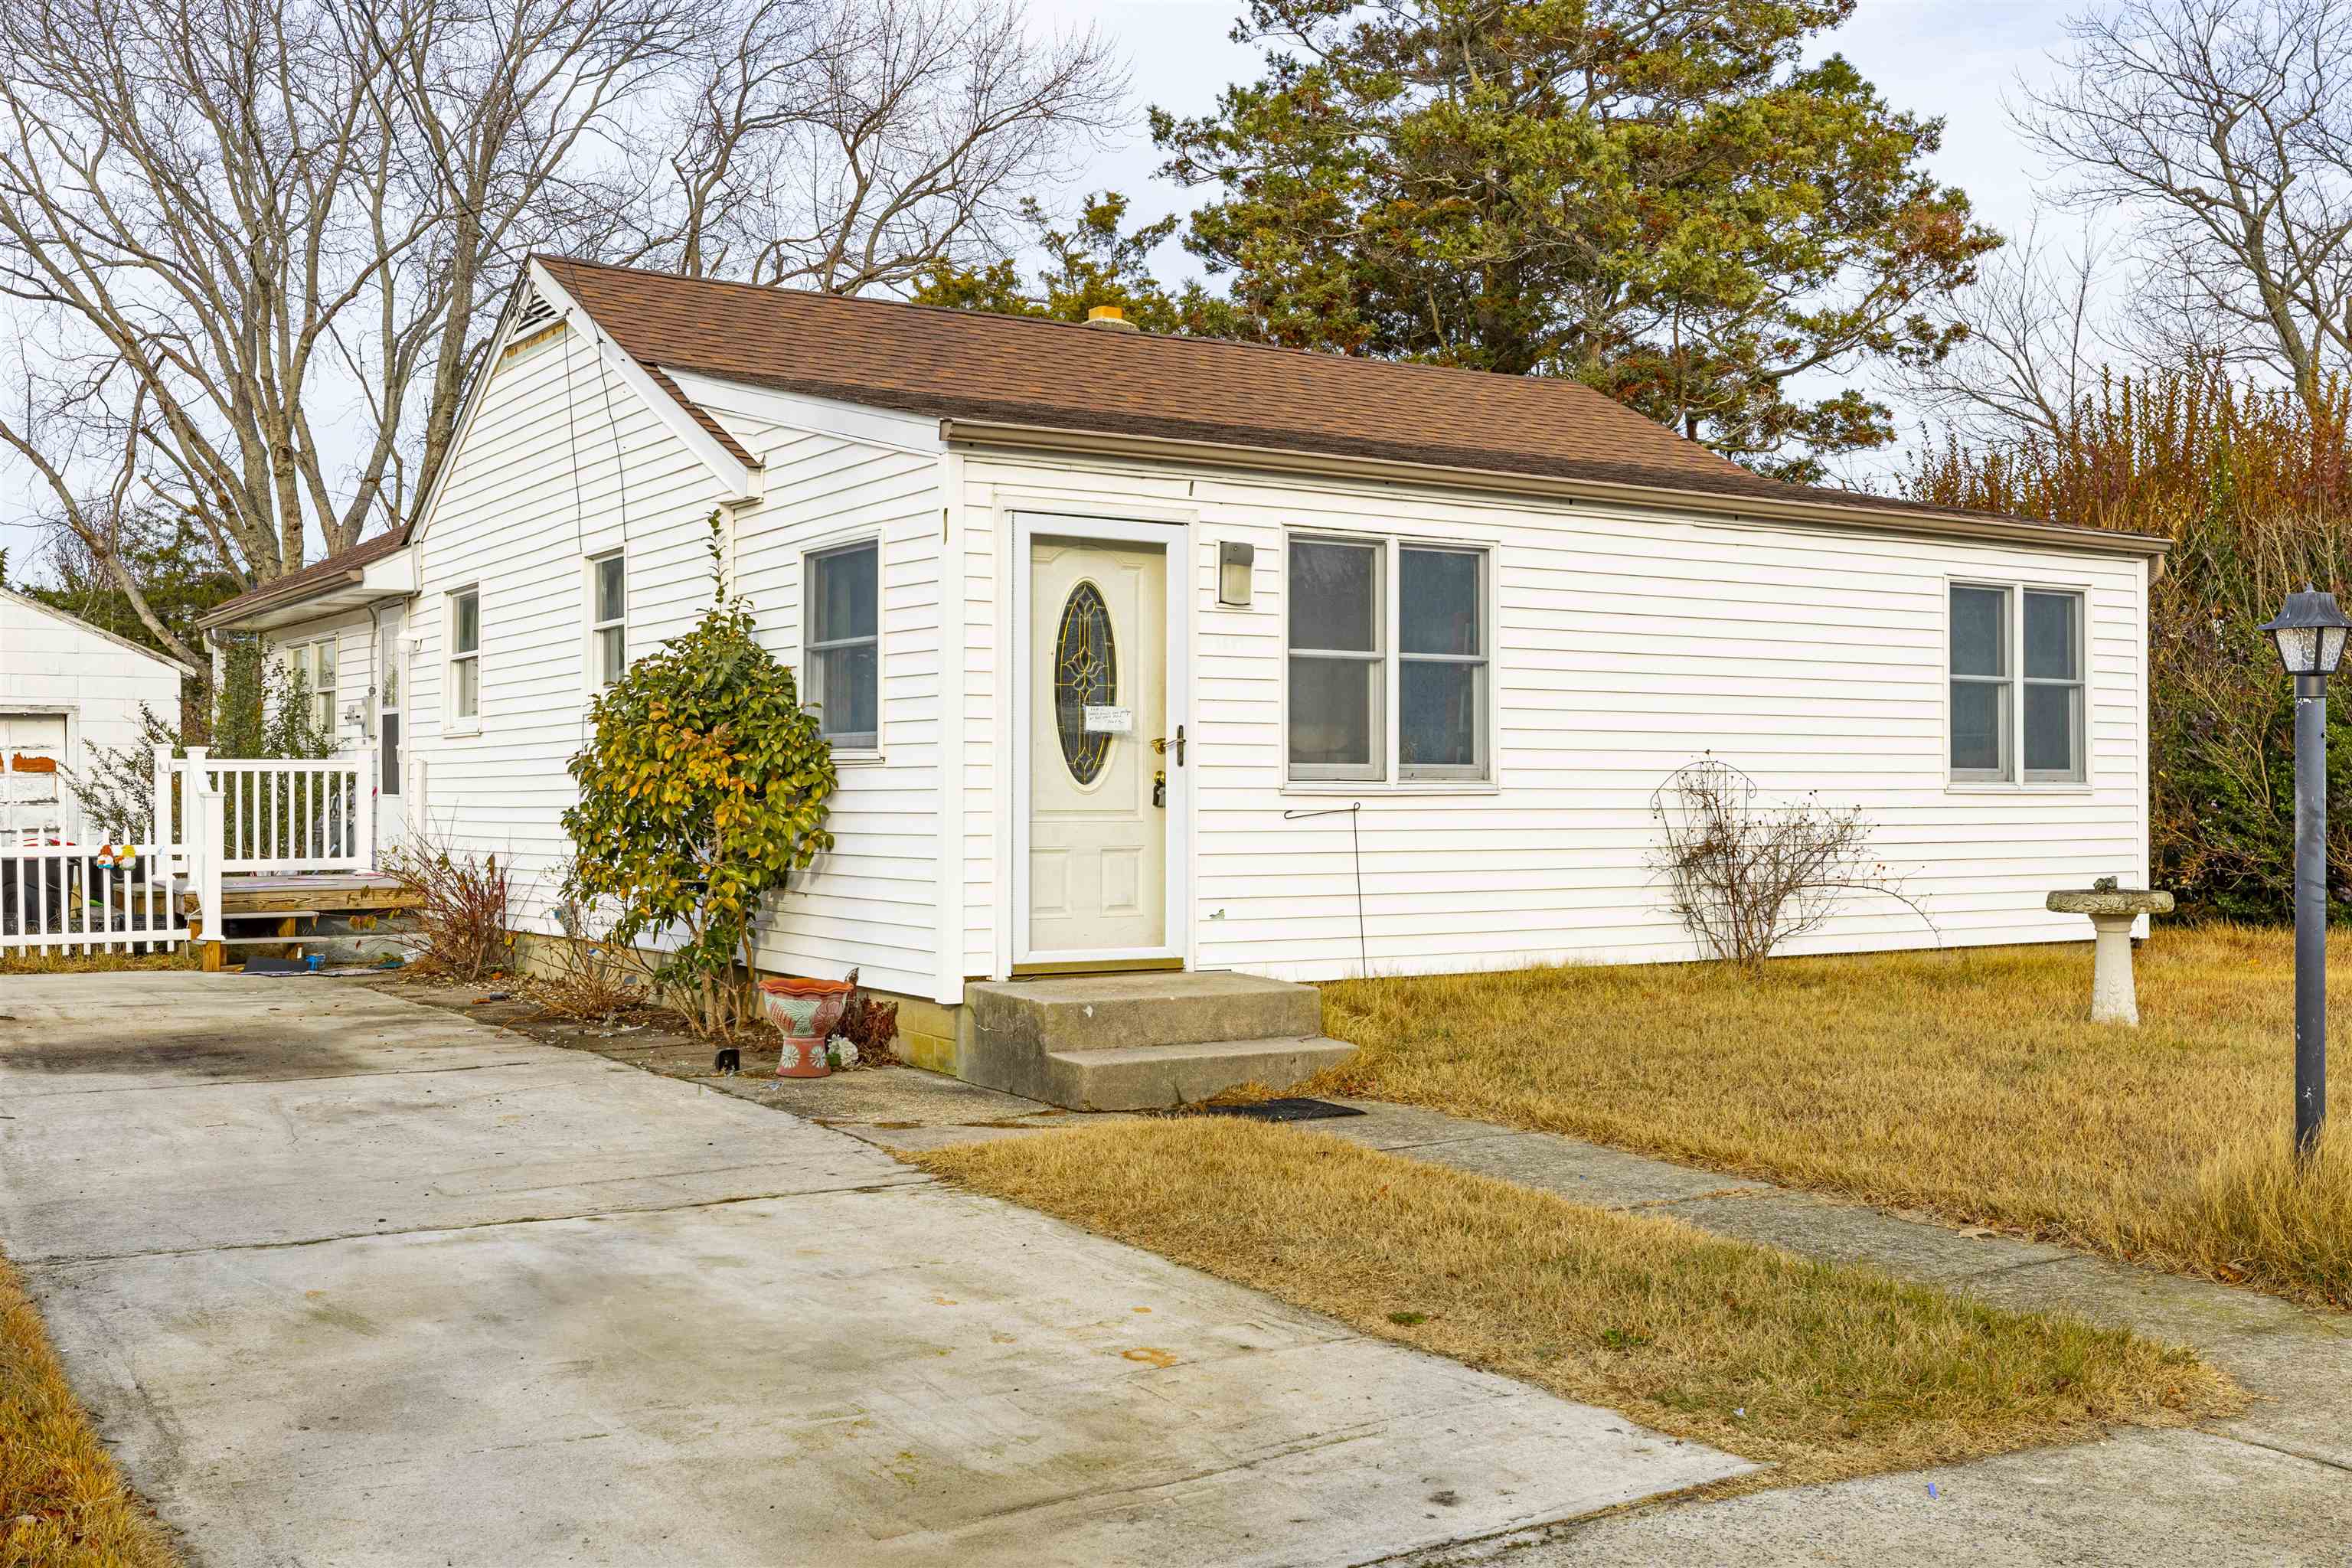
(1750, 507)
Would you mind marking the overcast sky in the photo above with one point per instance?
(1957, 58)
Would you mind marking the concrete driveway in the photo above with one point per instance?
(346, 1280)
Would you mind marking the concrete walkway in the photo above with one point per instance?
(2272, 1486)
(346, 1280)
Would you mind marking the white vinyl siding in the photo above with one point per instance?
(1621, 643)
(512, 522)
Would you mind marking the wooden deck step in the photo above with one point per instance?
(316, 894)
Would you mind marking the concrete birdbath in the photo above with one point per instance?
(2113, 998)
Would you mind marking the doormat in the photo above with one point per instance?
(1281, 1111)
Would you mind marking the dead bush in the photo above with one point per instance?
(587, 977)
(1747, 878)
(462, 903)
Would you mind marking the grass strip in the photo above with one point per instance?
(62, 1502)
(1966, 1083)
(1820, 1370)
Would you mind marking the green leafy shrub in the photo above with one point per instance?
(702, 790)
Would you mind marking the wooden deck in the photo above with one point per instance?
(319, 893)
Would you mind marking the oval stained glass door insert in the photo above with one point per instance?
(1086, 674)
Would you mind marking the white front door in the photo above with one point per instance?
(1098, 795)
(390, 731)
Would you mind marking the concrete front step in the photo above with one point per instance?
(1138, 1042)
(1151, 1078)
(1113, 1012)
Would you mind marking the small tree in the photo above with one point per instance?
(702, 790)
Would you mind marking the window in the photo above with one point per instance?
(2053, 688)
(1085, 675)
(1337, 703)
(466, 657)
(1441, 663)
(1342, 661)
(1980, 719)
(608, 621)
(315, 663)
(387, 708)
(844, 664)
(1999, 735)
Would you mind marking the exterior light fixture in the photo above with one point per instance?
(2309, 632)
(1233, 563)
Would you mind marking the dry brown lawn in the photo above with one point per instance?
(1963, 1083)
(1822, 1371)
(62, 1502)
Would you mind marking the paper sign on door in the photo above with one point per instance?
(1108, 721)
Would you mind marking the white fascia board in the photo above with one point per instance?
(916, 433)
(391, 577)
(741, 483)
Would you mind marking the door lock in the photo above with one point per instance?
(1159, 787)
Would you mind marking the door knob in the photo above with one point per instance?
(1159, 787)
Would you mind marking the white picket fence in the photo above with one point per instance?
(86, 897)
(213, 818)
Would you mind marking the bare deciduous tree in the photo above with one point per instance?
(853, 144)
(254, 247)
(2223, 127)
(2038, 338)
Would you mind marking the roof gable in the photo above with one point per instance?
(11, 596)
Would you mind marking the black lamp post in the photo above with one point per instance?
(2310, 632)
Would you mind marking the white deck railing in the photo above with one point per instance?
(86, 897)
(277, 814)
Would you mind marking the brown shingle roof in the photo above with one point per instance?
(967, 364)
(296, 584)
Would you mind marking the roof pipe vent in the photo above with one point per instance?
(1111, 318)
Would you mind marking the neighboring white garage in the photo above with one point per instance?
(65, 687)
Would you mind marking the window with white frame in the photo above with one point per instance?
(1344, 652)
(2018, 688)
(1440, 663)
(466, 657)
(844, 667)
(608, 620)
(315, 663)
(1338, 662)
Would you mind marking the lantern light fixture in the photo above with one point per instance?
(2310, 632)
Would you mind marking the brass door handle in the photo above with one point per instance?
(1177, 739)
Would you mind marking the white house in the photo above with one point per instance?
(1142, 651)
(66, 687)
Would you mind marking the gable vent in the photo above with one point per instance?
(536, 312)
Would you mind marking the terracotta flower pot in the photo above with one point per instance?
(804, 1012)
